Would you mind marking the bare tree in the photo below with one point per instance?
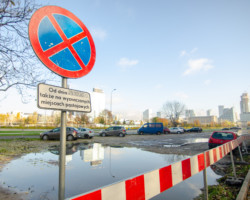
(19, 66)
(82, 119)
(173, 110)
(106, 116)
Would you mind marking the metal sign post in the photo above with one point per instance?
(64, 45)
(61, 192)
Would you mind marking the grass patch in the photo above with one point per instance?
(19, 139)
(222, 191)
(3, 150)
(20, 134)
(18, 146)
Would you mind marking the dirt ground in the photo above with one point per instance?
(153, 143)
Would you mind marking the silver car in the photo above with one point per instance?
(176, 130)
(86, 133)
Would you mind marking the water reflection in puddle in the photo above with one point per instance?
(90, 166)
(196, 140)
(185, 142)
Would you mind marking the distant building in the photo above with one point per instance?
(189, 113)
(97, 102)
(147, 115)
(228, 115)
(244, 103)
(204, 120)
(221, 108)
(245, 117)
(244, 108)
(209, 112)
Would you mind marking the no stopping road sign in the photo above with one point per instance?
(62, 42)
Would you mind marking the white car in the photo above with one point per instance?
(176, 130)
(86, 133)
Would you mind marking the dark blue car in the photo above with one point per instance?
(151, 128)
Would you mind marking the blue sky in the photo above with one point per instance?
(195, 52)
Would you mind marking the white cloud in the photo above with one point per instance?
(125, 62)
(197, 65)
(185, 53)
(98, 33)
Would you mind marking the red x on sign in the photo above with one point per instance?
(62, 42)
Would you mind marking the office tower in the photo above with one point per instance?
(244, 108)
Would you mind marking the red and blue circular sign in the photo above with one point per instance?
(62, 42)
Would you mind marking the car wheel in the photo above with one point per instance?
(103, 134)
(158, 133)
(70, 138)
(121, 135)
(45, 137)
(141, 133)
(178, 132)
(86, 136)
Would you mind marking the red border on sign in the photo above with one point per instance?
(44, 55)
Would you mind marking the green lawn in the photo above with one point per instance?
(17, 133)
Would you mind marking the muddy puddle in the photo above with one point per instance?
(90, 166)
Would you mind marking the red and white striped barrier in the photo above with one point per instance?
(153, 183)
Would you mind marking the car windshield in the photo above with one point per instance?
(223, 136)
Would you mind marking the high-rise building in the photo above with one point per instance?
(244, 108)
(244, 103)
(97, 102)
(221, 108)
(228, 115)
(147, 115)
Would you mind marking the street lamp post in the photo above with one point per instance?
(111, 102)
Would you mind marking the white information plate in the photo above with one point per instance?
(58, 98)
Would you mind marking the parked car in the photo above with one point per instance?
(86, 133)
(225, 129)
(114, 131)
(166, 130)
(220, 137)
(195, 129)
(151, 128)
(184, 130)
(235, 128)
(176, 130)
(70, 149)
(71, 134)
